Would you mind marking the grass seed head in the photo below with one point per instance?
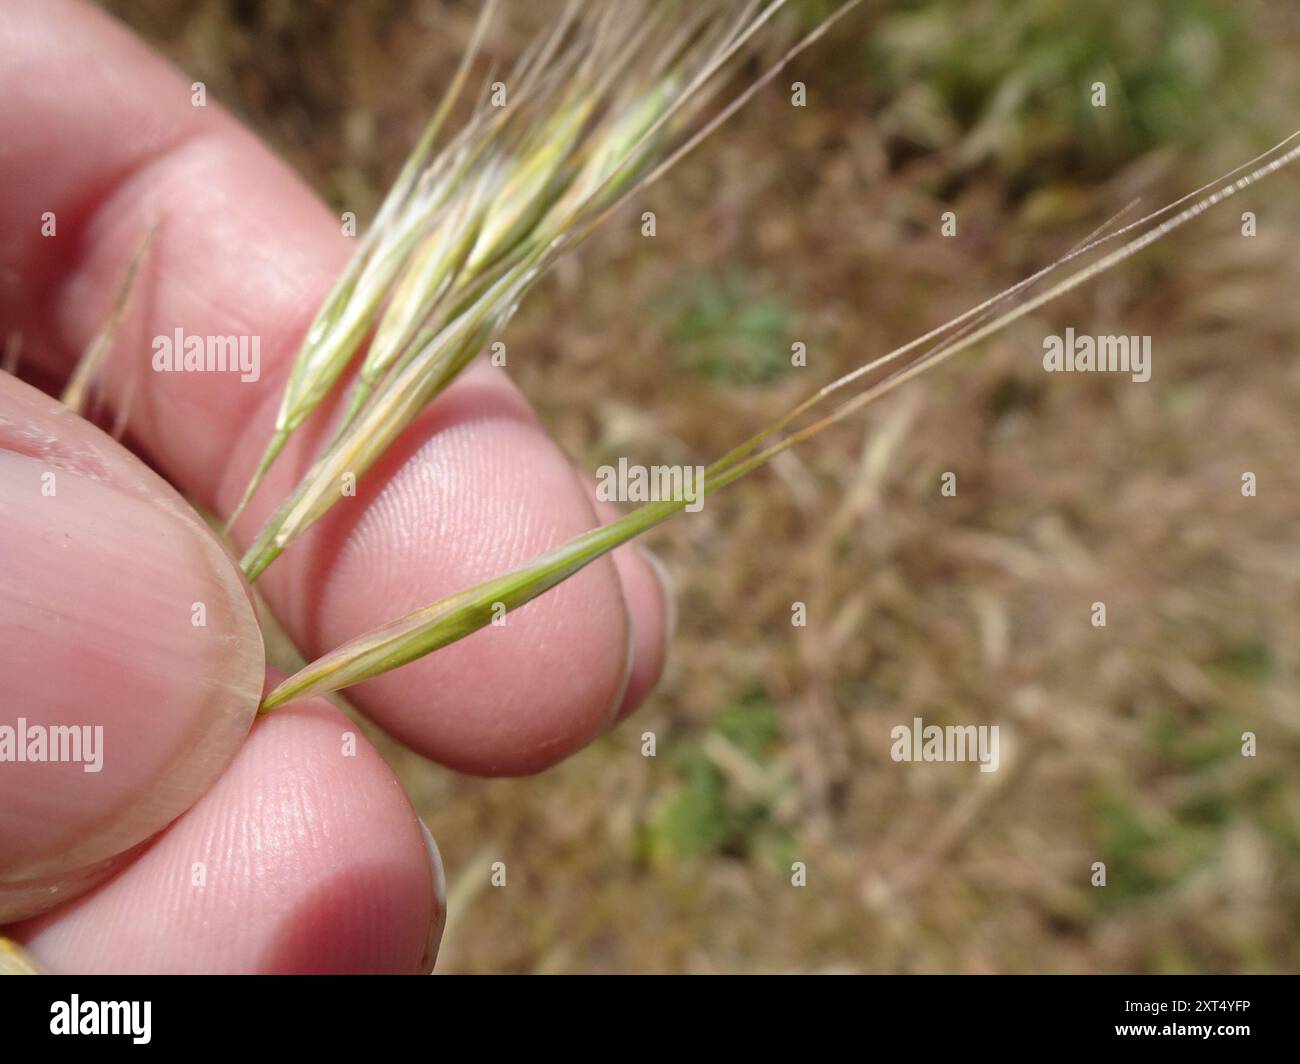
(466, 231)
(456, 616)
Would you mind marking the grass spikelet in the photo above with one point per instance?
(591, 113)
(341, 323)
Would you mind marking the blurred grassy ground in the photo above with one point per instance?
(822, 225)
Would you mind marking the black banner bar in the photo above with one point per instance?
(1236, 1014)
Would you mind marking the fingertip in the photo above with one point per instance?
(305, 857)
(130, 656)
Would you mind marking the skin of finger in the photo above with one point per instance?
(131, 661)
(244, 249)
(305, 857)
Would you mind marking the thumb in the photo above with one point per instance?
(131, 662)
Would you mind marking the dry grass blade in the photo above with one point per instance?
(14, 960)
(92, 359)
(12, 354)
(457, 616)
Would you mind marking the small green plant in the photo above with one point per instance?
(1008, 82)
(727, 789)
(724, 332)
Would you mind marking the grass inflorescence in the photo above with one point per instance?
(591, 112)
(602, 104)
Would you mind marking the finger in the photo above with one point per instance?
(130, 657)
(305, 857)
(474, 486)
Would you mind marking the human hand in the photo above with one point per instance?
(199, 845)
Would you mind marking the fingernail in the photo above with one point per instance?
(439, 922)
(614, 710)
(668, 588)
(130, 668)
